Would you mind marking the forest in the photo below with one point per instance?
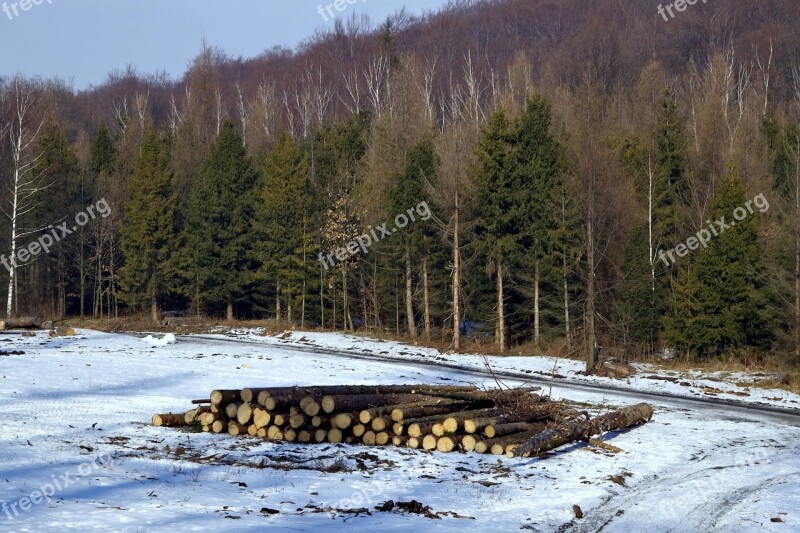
(595, 179)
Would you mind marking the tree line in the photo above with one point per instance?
(552, 199)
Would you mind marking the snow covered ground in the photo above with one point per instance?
(75, 429)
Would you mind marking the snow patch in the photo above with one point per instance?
(167, 339)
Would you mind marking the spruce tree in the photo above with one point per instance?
(281, 224)
(148, 232)
(721, 303)
(219, 222)
(539, 168)
(498, 209)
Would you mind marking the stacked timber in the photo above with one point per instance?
(445, 418)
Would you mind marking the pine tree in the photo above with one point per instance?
(721, 303)
(219, 221)
(147, 234)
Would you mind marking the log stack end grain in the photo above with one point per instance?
(515, 423)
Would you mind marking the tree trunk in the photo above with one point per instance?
(456, 281)
(501, 318)
(229, 312)
(591, 341)
(278, 302)
(580, 430)
(426, 300)
(536, 312)
(411, 322)
(154, 315)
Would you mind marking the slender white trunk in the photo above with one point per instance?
(536, 313)
(412, 324)
(501, 316)
(456, 282)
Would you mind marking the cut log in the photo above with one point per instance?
(378, 424)
(358, 430)
(468, 442)
(219, 397)
(497, 445)
(335, 436)
(369, 438)
(343, 420)
(297, 420)
(273, 432)
(419, 426)
(320, 435)
(580, 430)
(529, 413)
(505, 429)
(358, 402)
(261, 433)
(170, 420)
(188, 416)
(244, 413)
(413, 443)
(381, 438)
(448, 443)
(304, 436)
(317, 421)
(279, 420)
(231, 409)
(217, 426)
(437, 406)
(235, 428)
(494, 397)
(429, 442)
(25, 322)
(252, 430)
(261, 417)
(309, 406)
(290, 435)
(438, 429)
(399, 441)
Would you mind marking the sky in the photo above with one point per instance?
(81, 41)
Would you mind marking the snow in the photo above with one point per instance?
(77, 409)
(166, 340)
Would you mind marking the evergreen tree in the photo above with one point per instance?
(721, 303)
(498, 208)
(409, 189)
(219, 221)
(147, 234)
(539, 167)
(281, 224)
(640, 302)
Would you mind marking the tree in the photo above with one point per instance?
(408, 190)
(219, 223)
(27, 180)
(721, 301)
(538, 163)
(281, 223)
(147, 234)
(497, 204)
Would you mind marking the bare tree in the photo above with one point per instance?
(27, 179)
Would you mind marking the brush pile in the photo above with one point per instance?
(511, 422)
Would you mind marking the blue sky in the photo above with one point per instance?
(81, 41)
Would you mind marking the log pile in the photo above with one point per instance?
(513, 422)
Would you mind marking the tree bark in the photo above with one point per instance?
(570, 432)
(411, 322)
(456, 280)
(426, 307)
(170, 420)
(501, 318)
(536, 313)
(591, 342)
